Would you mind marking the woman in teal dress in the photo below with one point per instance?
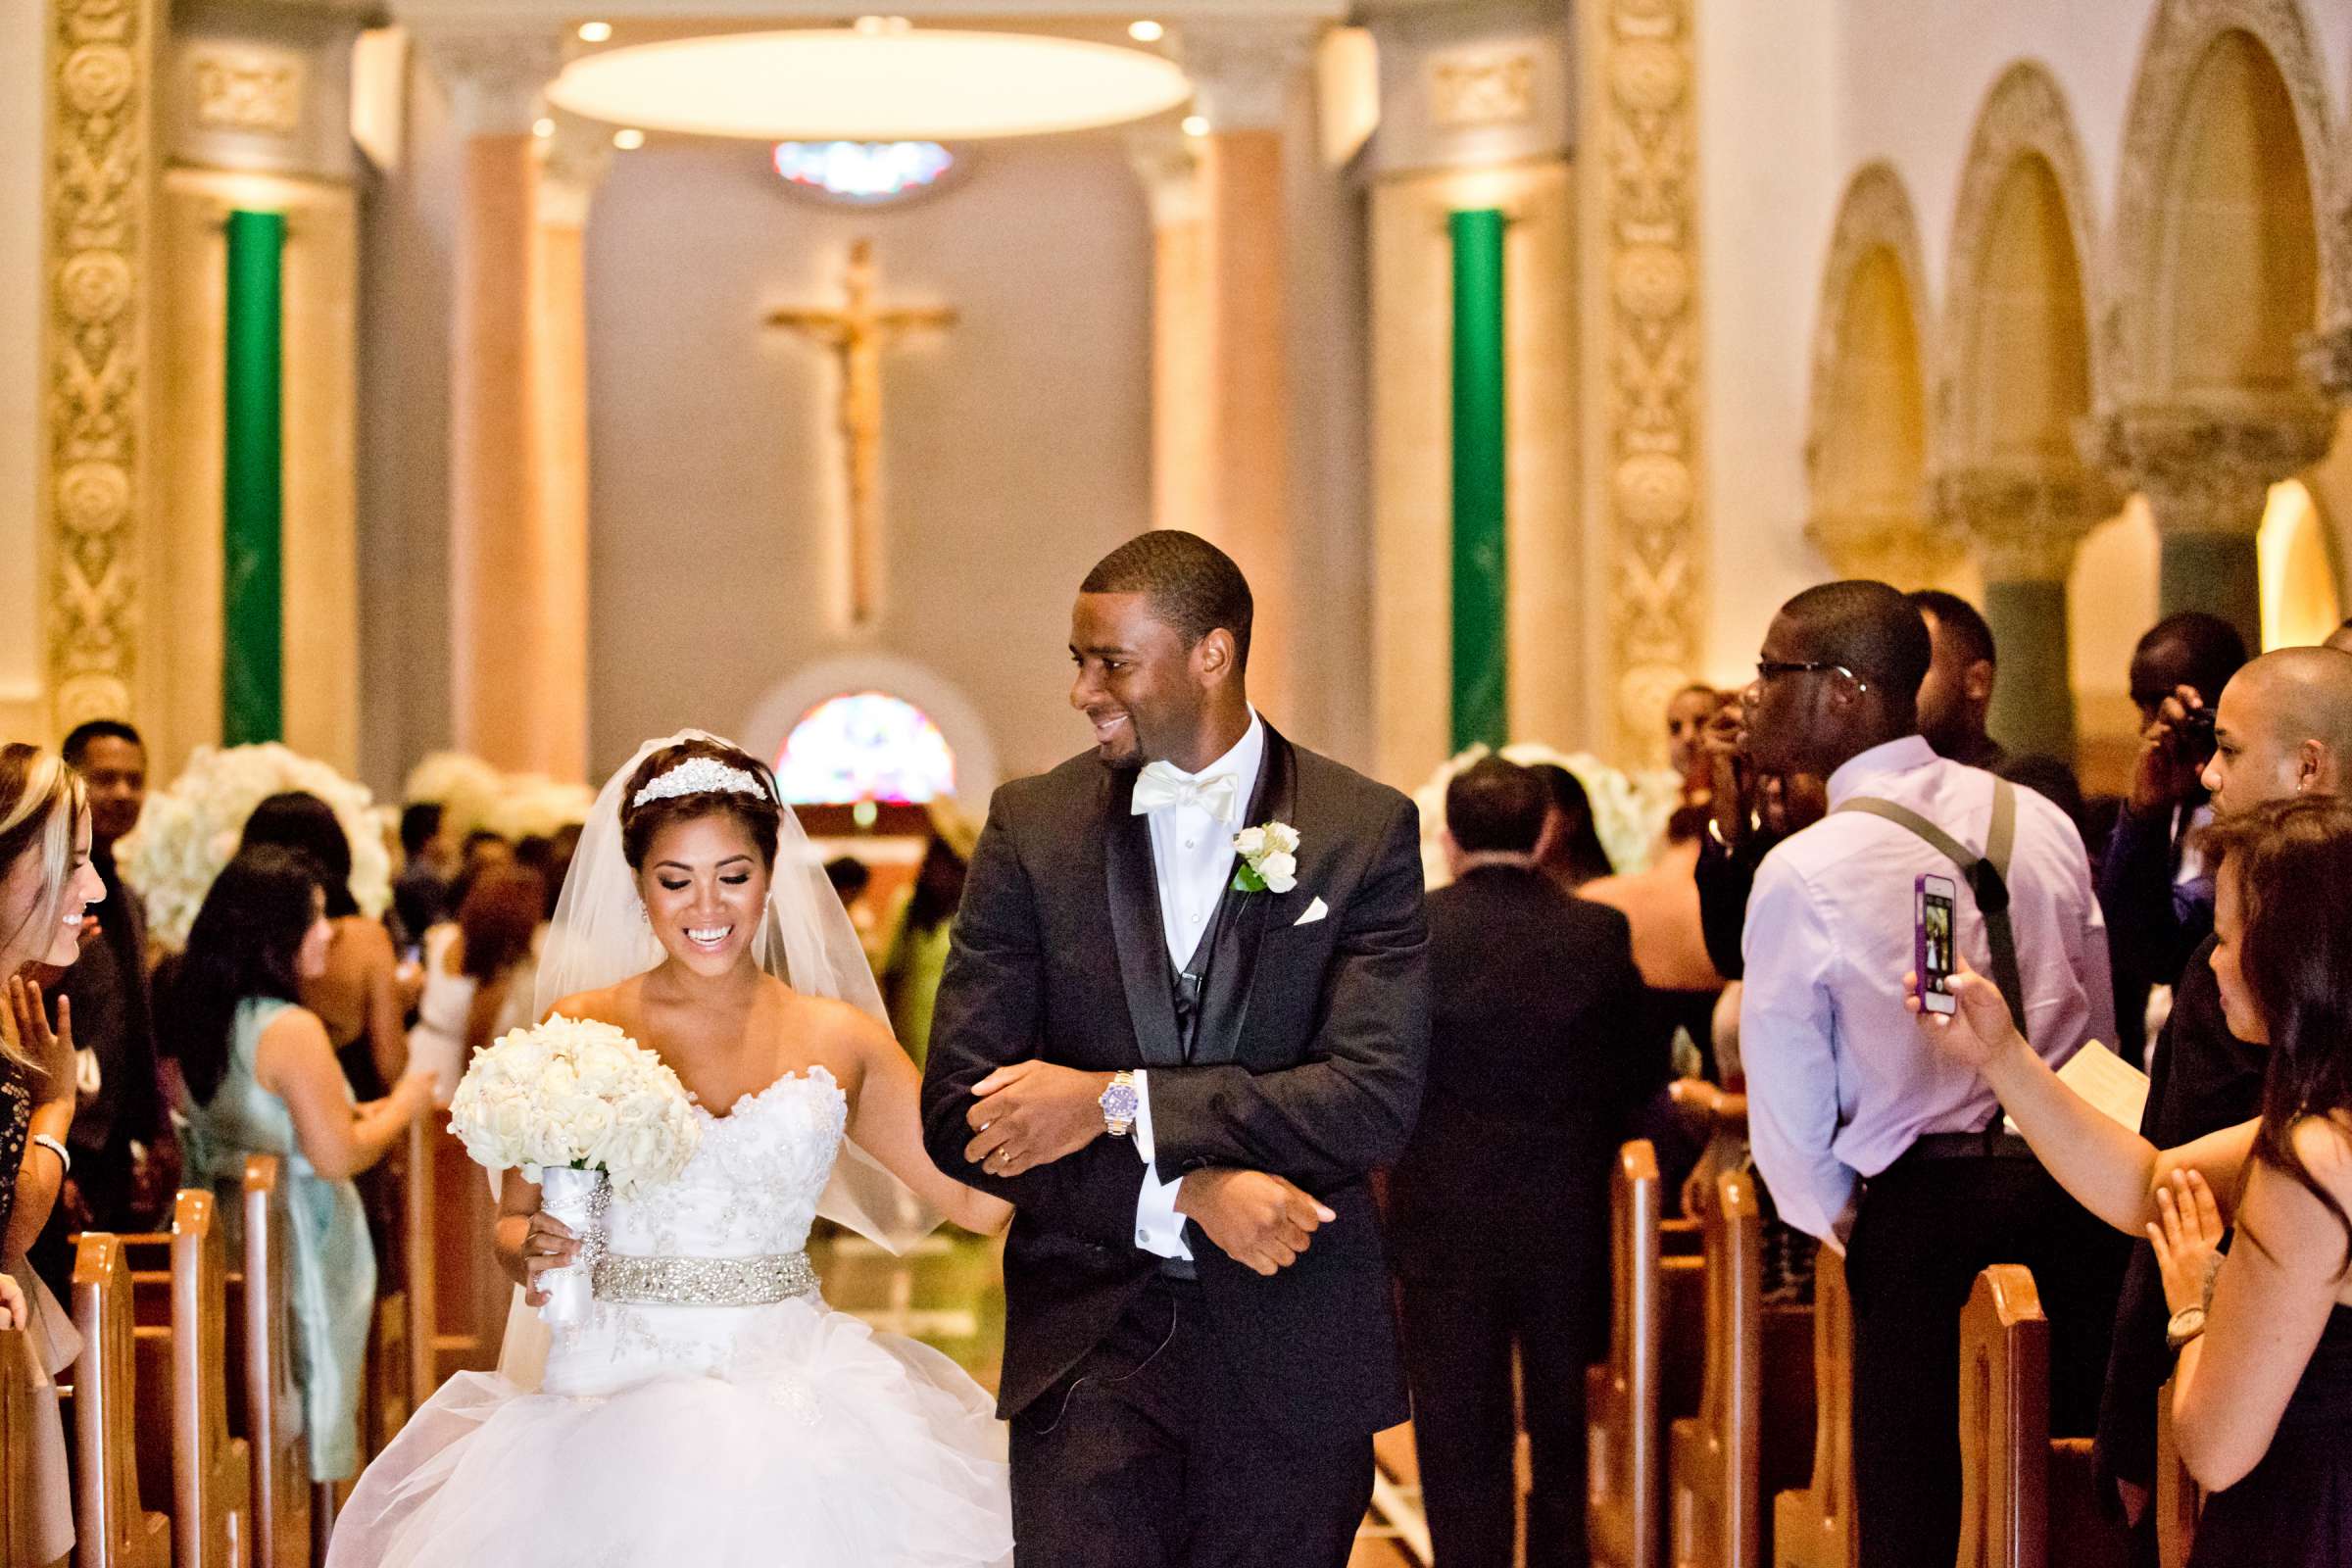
(262, 1079)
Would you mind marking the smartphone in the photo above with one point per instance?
(1932, 940)
(2195, 737)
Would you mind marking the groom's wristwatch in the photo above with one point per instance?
(1119, 1104)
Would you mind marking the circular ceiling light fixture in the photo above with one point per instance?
(850, 85)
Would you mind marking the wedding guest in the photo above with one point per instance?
(2261, 1391)
(2283, 725)
(2153, 883)
(46, 886)
(124, 1159)
(1956, 697)
(263, 1078)
(1541, 1053)
(918, 954)
(421, 893)
(471, 965)
(1749, 812)
(1670, 943)
(1686, 713)
(1571, 852)
(357, 994)
(1868, 1138)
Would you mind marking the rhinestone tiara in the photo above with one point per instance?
(699, 775)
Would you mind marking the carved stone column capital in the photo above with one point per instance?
(2026, 524)
(2328, 363)
(1168, 163)
(1243, 69)
(495, 76)
(572, 164)
(2205, 470)
(1898, 547)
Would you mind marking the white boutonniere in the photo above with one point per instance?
(1269, 858)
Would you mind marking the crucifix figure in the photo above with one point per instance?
(856, 333)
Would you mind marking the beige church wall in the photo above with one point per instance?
(405, 225)
(1770, 186)
(1017, 446)
(23, 706)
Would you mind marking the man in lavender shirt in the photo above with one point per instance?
(1867, 1136)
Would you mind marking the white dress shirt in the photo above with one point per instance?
(1840, 1081)
(1192, 856)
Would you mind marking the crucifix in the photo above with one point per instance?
(856, 333)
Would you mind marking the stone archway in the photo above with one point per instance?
(2015, 384)
(1866, 452)
(2220, 269)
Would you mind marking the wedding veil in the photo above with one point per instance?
(599, 938)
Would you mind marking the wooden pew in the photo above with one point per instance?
(2179, 1499)
(181, 1331)
(1650, 1376)
(1815, 1528)
(267, 1411)
(1715, 1458)
(421, 1219)
(471, 1292)
(2024, 1500)
(21, 1482)
(112, 1528)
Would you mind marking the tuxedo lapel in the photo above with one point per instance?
(1233, 963)
(1133, 886)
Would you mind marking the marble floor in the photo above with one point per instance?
(949, 1293)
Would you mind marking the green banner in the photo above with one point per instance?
(253, 486)
(1481, 661)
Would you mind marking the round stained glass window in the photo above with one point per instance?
(866, 746)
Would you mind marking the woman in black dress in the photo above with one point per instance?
(2262, 1395)
(46, 883)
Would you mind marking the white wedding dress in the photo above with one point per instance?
(666, 1435)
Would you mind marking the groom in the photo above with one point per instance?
(1181, 1064)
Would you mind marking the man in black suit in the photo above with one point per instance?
(1181, 1056)
(1540, 1052)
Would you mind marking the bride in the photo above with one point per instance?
(712, 1410)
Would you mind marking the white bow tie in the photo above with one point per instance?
(1161, 784)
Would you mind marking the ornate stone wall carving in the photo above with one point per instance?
(1472, 89)
(1640, 160)
(2025, 525)
(2208, 470)
(99, 199)
(246, 90)
(2184, 29)
(2024, 116)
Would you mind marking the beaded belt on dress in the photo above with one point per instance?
(705, 1281)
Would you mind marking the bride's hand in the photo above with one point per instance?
(547, 1243)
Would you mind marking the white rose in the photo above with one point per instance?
(1283, 837)
(1250, 843)
(1279, 872)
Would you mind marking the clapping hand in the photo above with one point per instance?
(2187, 1236)
(49, 1049)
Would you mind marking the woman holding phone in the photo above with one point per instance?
(2261, 1397)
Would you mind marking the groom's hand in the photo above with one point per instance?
(1031, 1113)
(1255, 1218)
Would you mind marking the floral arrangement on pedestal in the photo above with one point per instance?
(473, 794)
(190, 830)
(1629, 810)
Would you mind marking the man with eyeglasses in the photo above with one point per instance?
(1866, 1135)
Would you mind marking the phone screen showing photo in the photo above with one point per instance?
(1933, 944)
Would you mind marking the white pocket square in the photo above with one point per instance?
(1315, 912)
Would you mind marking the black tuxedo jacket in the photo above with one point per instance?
(1543, 1052)
(1307, 1064)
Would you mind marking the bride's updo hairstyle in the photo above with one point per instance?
(694, 779)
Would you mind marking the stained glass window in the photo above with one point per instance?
(866, 746)
(865, 172)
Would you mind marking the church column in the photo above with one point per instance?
(519, 603)
(1476, 123)
(1168, 162)
(2207, 472)
(1242, 73)
(2025, 526)
(575, 160)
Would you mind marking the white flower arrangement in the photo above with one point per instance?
(190, 831)
(578, 1094)
(1269, 858)
(1629, 810)
(473, 794)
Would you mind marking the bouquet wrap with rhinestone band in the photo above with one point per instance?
(582, 1109)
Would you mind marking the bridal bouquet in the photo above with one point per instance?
(584, 1111)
